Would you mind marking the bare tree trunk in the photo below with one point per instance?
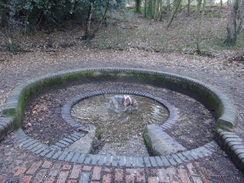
(157, 9)
(160, 4)
(240, 16)
(150, 8)
(188, 7)
(3, 9)
(199, 4)
(168, 6)
(178, 3)
(98, 27)
(145, 8)
(88, 32)
(198, 41)
(155, 13)
(231, 24)
(138, 6)
(88, 23)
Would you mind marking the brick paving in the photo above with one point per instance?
(18, 164)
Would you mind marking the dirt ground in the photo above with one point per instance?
(128, 43)
(43, 120)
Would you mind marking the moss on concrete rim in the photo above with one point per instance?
(213, 99)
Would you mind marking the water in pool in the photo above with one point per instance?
(120, 119)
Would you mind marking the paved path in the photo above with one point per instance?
(21, 165)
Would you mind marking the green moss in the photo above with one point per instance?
(98, 133)
(185, 86)
(9, 112)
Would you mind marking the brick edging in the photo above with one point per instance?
(233, 145)
(116, 161)
(173, 112)
(6, 126)
(212, 98)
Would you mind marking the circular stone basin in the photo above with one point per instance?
(119, 126)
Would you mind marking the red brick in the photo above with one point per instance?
(62, 177)
(54, 170)
(140, 175)
(191, 169)
(193, 173)
(196, 179)
(108, 170)
(162, 175)
(72, 181)
(131, 171)
(26, 179)
(66, 167)
(19, 162)
(119, 174)
(130, 175)
(75, 172)
(34, 167)
(96, 175)
(87, 168)
(22, 156)
(27, 163)
(49, 180)
(40, 175)
(20, 171)
(152, 179)
(47, 164)
(3, 177)
(183, 175)
(107, 178)
(173, 176)
(205, 180)
(152, 172)
(130, 178)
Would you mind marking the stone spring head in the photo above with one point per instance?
(124, 102)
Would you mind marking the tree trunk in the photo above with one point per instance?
(157, 9)
(177, 6)
(168, 6)
(138, 6)
(198, 41)
(88, 23)
(231, 25)
(155, 12)
(199, 3)
(4, 21)
(150, 8)
(98, 27)
(160, 10)
(188, 7)
(145, 8)
(240, 16)
(88, 32)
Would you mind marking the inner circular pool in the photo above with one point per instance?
(119, 128)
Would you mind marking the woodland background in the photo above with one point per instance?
(195, 27)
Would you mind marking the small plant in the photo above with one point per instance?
(98, 133)
(11, 46)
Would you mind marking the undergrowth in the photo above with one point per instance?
(143, 34)
(129, 30)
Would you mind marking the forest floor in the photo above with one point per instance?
(131, 42)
